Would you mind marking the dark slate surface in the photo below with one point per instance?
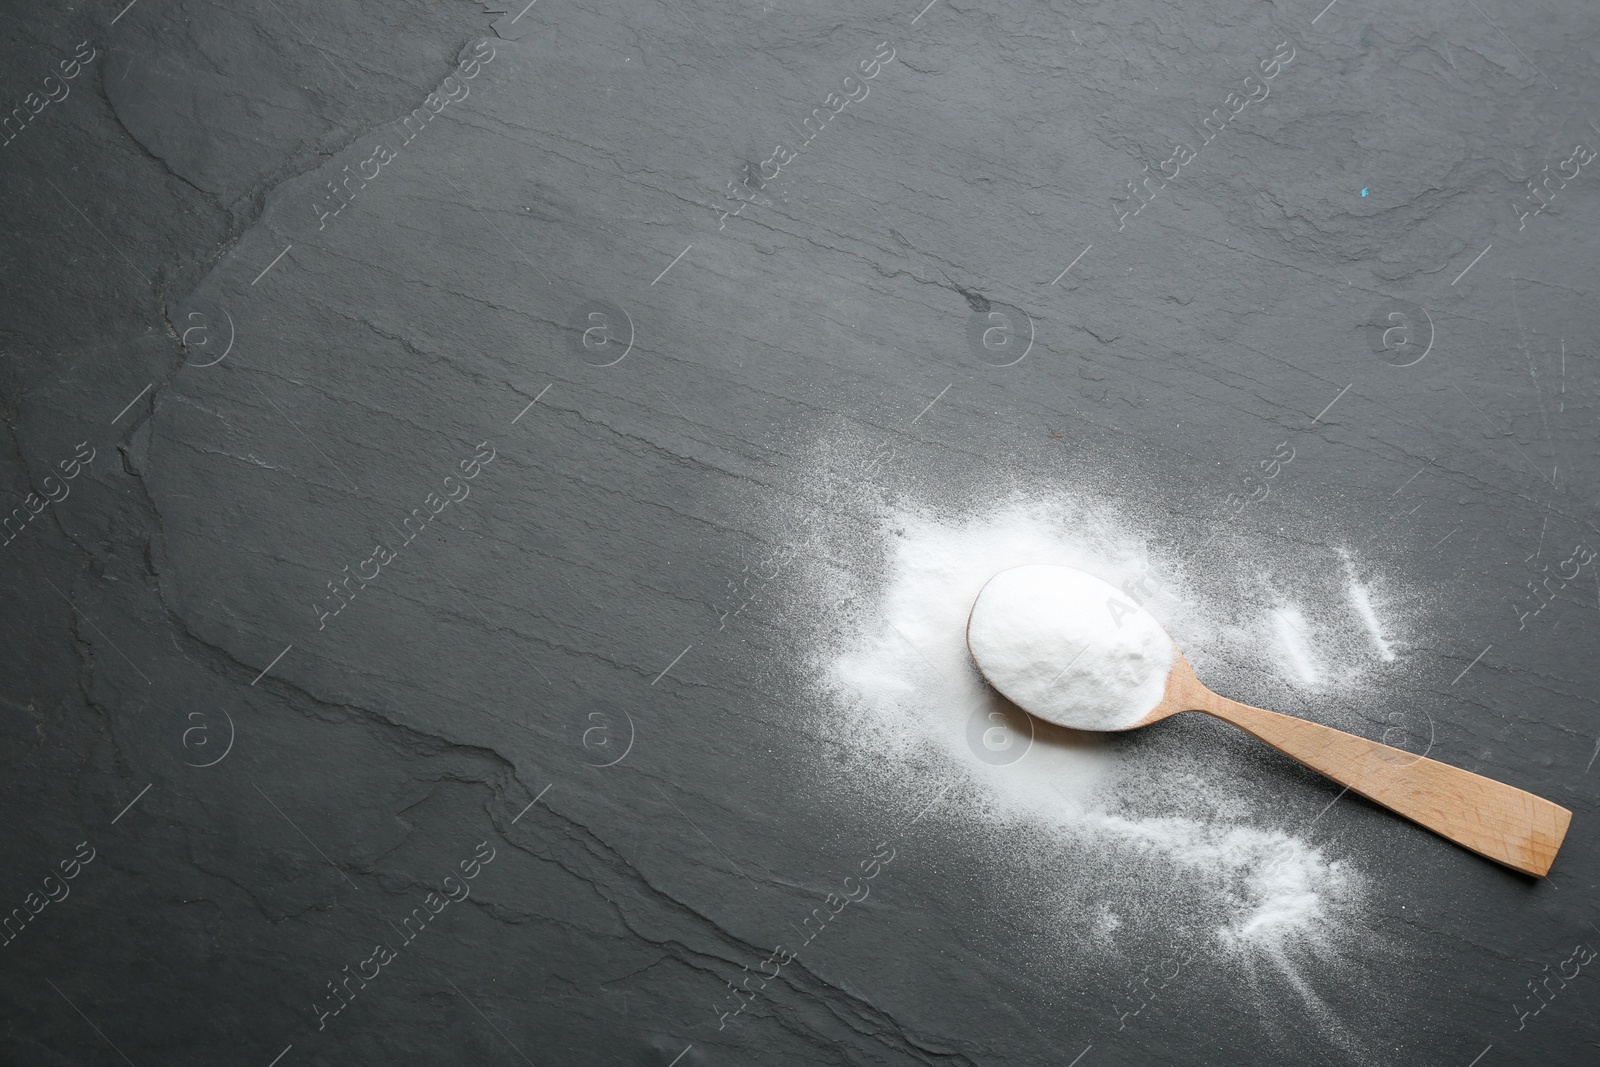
(268, 389)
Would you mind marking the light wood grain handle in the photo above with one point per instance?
(1497, 821)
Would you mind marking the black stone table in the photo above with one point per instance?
(422, 419)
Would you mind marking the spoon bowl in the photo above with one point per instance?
(1073, 650)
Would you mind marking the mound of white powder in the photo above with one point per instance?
(1068, 647)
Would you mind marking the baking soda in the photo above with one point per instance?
(1361, 600)
(1070, 648)
(1290, 626)
(1157, 846)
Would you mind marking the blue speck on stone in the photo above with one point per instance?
(1363, 192)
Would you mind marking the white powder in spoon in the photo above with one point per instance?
(1069, 647)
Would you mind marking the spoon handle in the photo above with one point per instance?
(1495, 820)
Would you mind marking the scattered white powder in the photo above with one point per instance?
(1277, 884)
(1070, 648)
(903, 677)
(1106, 924)
(1135, 842)
(1290, 624)
(1361, 600)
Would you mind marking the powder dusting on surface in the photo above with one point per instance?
(1290, 625)
(1157, 847)
(1361, 600)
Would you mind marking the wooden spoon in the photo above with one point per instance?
(1497, 821)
